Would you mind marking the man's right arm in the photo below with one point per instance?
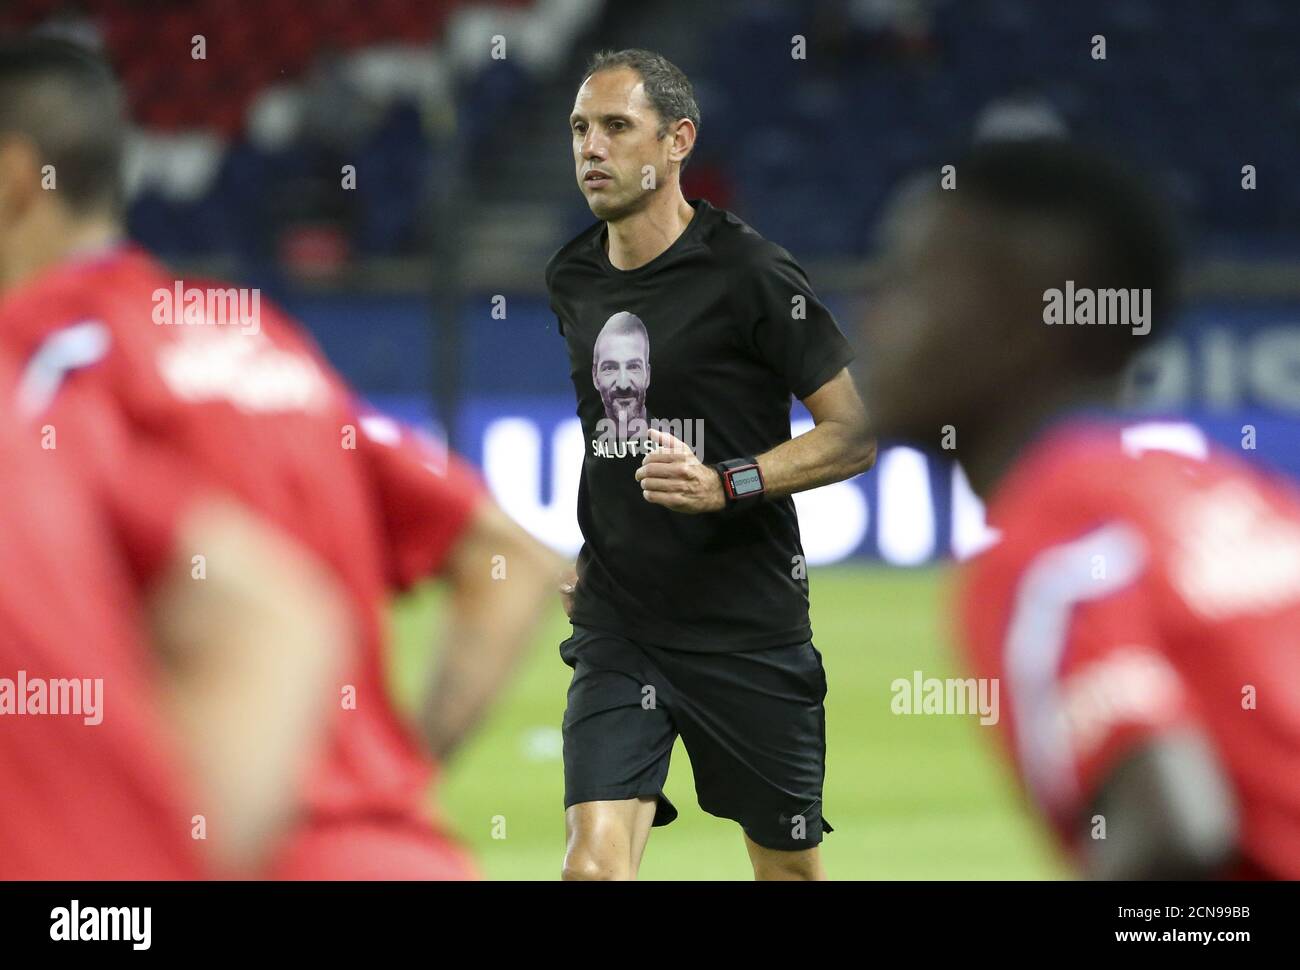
(439, 522)
(1170, 813)
(501, 579)
(249, 651)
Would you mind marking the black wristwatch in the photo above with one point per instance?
(742, 480)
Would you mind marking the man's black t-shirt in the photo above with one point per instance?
(708, 341)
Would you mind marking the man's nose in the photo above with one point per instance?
(593, 146)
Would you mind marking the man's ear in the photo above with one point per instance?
(20, 177)
(683, 140)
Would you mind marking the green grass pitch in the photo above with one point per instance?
(911, 797)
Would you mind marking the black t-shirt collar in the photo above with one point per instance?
(702, 210)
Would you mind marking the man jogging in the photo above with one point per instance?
(689, 606)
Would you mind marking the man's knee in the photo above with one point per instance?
(599, 843)
(792, 869)
(603, 839)
(583, 863)
(776, 864)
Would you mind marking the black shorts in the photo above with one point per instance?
(754, 726)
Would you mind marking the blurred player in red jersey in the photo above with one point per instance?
(126, 714)
(246, 400)
(1139, 604)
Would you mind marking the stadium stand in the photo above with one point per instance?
(264, 116)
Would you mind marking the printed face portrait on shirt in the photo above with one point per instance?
(620, 369)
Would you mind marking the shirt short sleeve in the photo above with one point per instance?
(793, 332)
(425, 493)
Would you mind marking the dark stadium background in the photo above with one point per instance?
(452, 119)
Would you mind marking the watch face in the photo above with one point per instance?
(747, 481)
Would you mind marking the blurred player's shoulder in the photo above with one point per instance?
(1190, 510)
(156, 336)
(67, 294)
(126, 285)
(1092, 469)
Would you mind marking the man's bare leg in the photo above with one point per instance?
(779, 864)
(606, 839)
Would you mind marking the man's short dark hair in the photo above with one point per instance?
(1128, 240)
(65, 98)
(667, 89)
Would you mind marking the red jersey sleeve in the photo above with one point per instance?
(1087, 669)
(426, 496)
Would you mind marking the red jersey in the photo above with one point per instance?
(92, 786)
(1133, 590)
(250, 404)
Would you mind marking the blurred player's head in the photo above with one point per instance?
(620, 367)
(633, 124)
(957, 335)
(61, 135)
